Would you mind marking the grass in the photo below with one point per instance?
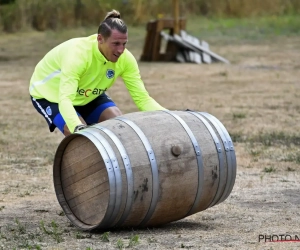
(53, 231)
(269, 169)
(255, 153)
(26, 193)
(292, 157)
(134, 240)
(277, 137)
(105, 237)
(20, 227)
(289, 169)
(240, 29)
(120, 244)
(266, 138)
(19, 236)
(280, 146)
(238, 115)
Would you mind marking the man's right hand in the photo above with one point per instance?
(80, 127)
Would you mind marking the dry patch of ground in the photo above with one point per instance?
(257, 98)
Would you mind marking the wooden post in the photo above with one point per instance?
(176, 16)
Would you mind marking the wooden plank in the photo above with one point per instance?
(170, 53)
(206, 58)
(180, 57)
(193, 56)
(198, 58)
(151, 49)
(157, 40)
(92, 210)
(176, 39)
(203, 47)
(172, 48)
(183, 55)
(147, 50)
(187, 55)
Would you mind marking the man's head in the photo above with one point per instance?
(112, 36)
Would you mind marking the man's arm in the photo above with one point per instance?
(136, 87)
(72, 67)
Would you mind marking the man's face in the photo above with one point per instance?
(113, 46)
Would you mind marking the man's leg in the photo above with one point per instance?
(48, 110)
(99, 110)
(109, 113)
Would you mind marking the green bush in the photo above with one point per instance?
(53, 14)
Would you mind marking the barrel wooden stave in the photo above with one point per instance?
(172, 187)
(124, 181)
(140, 167)
(84, 181)
(209, 157)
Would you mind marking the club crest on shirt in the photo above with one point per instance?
(48, 110)
(110, 73)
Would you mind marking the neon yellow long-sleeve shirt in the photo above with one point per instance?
(75, 72)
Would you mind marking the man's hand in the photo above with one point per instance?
(80, 127)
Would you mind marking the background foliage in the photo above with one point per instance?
(41, 15)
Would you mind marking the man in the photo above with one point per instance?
(68, 85)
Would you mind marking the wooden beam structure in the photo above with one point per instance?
(152, 46)
(185, 43)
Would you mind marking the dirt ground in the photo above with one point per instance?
(256, 97)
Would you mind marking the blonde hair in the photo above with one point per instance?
(112, 14)
(112, 21)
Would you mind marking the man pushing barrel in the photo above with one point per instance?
(68, 85)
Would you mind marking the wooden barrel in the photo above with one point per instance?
(144, 169)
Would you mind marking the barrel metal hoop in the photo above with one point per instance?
(233, 156)
(199, 161)
(230, 154)
(111, 175)
(154, 168)
(128, 170)
(117, 172)
(220, 154)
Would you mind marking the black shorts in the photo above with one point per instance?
(89, 112)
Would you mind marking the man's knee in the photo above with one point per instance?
(109, 113)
